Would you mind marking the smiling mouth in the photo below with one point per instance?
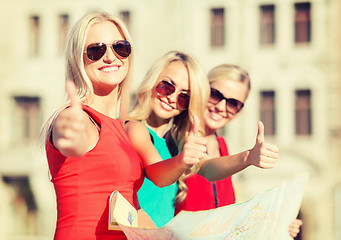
(109, 69)
(166, 105)
(215, 116)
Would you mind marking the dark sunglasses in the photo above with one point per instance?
(232, 105)
(96, 51)
(165, 88)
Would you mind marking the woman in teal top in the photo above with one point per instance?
(158, 202)
(173, 91)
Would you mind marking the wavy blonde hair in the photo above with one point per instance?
(199, 92)
(227, 72)
(75, 70)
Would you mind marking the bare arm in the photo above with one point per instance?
(164, 172)
(262, 155)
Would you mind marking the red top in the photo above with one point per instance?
(83, 185)
(205, 195)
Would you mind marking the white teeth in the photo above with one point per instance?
(216, 117)
(166, 106)
(109, 69)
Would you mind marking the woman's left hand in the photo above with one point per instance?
(263, 154)
(195, 146)
(294, 227)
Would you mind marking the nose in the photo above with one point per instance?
(172, 97)
(221, 106)
(110, 55)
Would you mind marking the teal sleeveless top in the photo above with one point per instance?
(158, 202)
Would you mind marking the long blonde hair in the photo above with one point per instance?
(75, 70)
(199, 92)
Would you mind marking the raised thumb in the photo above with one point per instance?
(72, 94)
(195, 126)
(260, 134)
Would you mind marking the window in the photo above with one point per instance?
(63, 32)
(217, 27)
(28, 118)
(302, 23)
(24, 207)
(125, 16)
(34, 35)
(303, 112)
(267, 111)
(337, 211)
(267, 24)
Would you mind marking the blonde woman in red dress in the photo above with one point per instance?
(88, 151)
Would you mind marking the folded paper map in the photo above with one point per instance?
(265, 217)
(121, 209)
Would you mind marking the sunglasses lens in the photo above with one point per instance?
(122, 48)
(183, 100)
(96, 51)
(234, 105)
(233, 102)
(164, 88)
(215, 96)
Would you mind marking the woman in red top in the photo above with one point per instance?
(234, 82)
(202, 194)
(230, 87)
(88, 151)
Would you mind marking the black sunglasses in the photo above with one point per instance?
(232, 105)
(165, 88)
(96, 51)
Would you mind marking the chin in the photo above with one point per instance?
(216, 124)
(213, 124)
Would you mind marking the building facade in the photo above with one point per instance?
(290, 48)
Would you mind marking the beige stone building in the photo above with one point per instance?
(290, 48)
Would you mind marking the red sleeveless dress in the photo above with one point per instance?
(83, 185)
(205, 195)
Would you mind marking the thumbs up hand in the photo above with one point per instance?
(69, 129)
(195, 146)
(71, 91)
(263, 154)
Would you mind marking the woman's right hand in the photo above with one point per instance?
(69, 134)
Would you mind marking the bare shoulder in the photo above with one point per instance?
(136, 130)
(67, 110)
(134, 125)
(131, 124)
(140, 139)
